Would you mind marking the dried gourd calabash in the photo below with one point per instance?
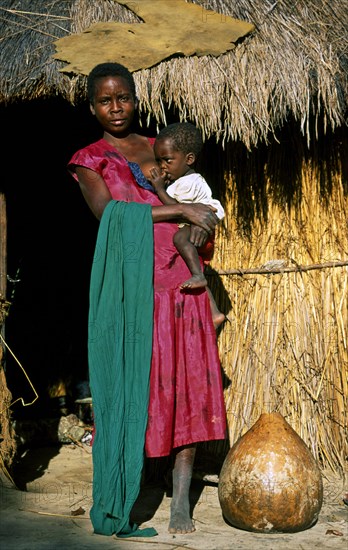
(269, 481)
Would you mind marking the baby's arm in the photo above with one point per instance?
(159, 184)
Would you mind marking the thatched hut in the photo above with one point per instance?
(273, 111)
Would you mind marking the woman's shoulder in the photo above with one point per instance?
(91, 156)
(151, 140)
(96, 150)
(99, 145)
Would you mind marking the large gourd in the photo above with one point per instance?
(270, 481)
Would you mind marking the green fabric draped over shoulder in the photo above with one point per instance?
(119, 354)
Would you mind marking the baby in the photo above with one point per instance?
(176, 149)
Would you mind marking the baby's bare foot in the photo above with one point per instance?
(196, 281)
(218, 319)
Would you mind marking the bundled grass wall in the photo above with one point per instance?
(285, 346)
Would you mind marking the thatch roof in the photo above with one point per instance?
(294, 64)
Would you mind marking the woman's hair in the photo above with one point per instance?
(104, 70)
(184, 136)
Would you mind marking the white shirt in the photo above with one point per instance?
(194, 188)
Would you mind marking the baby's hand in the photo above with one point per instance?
(157, 179)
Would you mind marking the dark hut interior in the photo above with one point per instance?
(50, 236)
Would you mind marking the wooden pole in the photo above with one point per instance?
(7, 443)
(3, 246)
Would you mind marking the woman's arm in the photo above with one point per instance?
(97, 196)
(94, 190)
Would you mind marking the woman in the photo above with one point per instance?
(186, 402)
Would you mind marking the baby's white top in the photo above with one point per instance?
(194, 188)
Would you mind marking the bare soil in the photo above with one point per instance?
(48, 508)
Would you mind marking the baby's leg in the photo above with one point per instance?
(218, 316)
(189, 253)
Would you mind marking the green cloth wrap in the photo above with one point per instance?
(119, 355)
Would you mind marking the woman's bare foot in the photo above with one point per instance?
(180, 520)
(196, 281)
(218, 319)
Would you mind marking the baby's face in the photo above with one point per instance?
(172, 162)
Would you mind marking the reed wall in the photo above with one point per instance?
(285, 345)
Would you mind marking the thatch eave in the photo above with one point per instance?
(295, 64)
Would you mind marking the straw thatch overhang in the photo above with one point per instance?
(295, 63)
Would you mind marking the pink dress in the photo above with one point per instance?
(186, 395)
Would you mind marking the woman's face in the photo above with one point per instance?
(174, 164)
(114, 105)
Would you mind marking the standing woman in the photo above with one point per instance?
(185, 403)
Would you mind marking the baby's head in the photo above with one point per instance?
(184, 137)
(176, 148)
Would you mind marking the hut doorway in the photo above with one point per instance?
(50, 243)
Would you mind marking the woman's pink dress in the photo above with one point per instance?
(186, 395)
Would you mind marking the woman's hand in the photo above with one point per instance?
(200, 215)
(198, 236)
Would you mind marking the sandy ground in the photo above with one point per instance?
(55, 482)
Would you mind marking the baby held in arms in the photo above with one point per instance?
(176, 149)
